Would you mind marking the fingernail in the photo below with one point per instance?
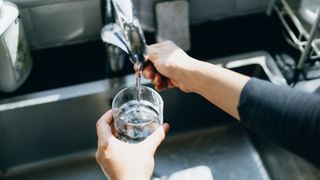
(166, 127)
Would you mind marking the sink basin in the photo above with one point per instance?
(223, 152)
(51, 134)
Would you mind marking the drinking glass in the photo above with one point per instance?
(135, 120)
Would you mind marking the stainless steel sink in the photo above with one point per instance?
(51, 134)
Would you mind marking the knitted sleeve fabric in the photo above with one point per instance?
(288, 117)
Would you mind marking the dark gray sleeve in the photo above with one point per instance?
(288, 117)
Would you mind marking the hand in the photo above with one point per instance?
(166, 66)
(120, 160)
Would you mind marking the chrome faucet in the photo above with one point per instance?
(124, 32)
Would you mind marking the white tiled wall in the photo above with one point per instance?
(145, 9)
(250, 6)
(210, 10)
(51, 23)
(60, 22)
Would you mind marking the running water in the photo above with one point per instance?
(138, 118)
(138, 82)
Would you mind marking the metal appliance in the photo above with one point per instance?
(15, 58)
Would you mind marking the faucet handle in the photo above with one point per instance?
(138, 48)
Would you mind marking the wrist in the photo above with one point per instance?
(188, 74)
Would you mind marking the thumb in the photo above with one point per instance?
(155, 139)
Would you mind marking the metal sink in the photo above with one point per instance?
(52, 135)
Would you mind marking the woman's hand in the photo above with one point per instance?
(120, 160)
(167, 66)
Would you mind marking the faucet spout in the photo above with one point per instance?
(138, 50)
(127, 30)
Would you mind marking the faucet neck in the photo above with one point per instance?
(127, 19)
(107, 10)
(124, 30)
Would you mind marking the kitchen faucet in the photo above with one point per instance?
(123, 30)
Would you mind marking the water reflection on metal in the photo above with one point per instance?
(30, 102)
(198, 172)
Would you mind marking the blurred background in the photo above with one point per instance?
(58, 75)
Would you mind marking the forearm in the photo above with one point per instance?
(220, 86)
(288, 117)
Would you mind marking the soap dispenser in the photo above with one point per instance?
(15, 57)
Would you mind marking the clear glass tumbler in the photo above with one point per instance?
(135, 120)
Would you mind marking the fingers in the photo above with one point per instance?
(157, 80)
(161, 87)
(162, 83)
(165, 84)
(172, 83)
(148, 70)
(155, 139)
(104, 131)
(107, 117)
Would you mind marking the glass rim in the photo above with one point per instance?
(129, 87)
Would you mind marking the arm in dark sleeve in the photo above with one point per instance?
(288, 117)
